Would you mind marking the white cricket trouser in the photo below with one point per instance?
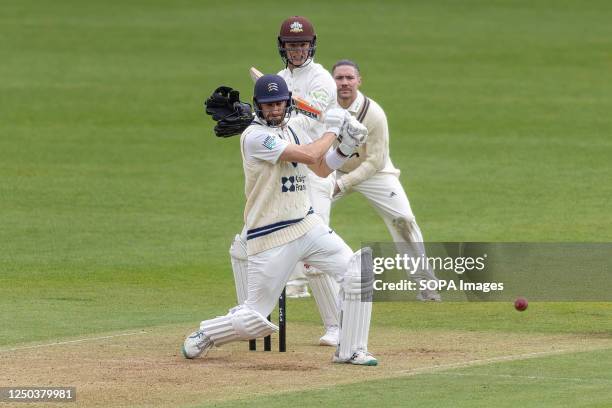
(268, 271)
(386, 194)
(319, 190)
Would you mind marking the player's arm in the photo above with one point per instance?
(309, 154)
(314, 154)
(260, 144)
(318, 156)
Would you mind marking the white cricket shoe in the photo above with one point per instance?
(196, 344)
(297, 291)
(359, 357)
(428, 295)
(331, 336)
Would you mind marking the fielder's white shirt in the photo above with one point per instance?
(315, 84)
(374, 154)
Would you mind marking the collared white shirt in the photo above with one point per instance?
(315, 84)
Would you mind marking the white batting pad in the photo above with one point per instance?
(325, 291)
(220, 330)
(241, 323)
(357, 304)
(240, 265)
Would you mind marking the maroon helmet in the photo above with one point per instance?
(296, 29)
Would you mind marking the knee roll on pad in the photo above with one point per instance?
(358, 285)
(250, 324)
(359, 277)
(238, 249)
(241, 323)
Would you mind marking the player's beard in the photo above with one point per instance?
(275, 120)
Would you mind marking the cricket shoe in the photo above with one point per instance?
(196, 344)
(359, 357)
(297, 291)
(331, 336)
(429, 295)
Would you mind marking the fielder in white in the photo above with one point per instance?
(372, 173)
(282, 228)
(310, 81)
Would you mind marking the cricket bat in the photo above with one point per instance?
(300, 104)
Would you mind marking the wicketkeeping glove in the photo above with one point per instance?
(232, 115)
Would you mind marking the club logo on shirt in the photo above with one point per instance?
(293, 183)
(320, 95)
(296, 27)
(269, 143)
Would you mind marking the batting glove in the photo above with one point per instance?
(353, 135)
(334, 120)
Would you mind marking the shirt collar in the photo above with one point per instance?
(357, 103)
(303, 68)
(280, 131)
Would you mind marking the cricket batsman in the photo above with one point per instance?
(282, 229)
(311, 81)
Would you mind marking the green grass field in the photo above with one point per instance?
(118, 204)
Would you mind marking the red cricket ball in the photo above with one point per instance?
(520, 304)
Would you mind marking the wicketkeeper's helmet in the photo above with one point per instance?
(297, 29)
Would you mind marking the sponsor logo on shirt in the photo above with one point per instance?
(270, 142)
(293, 183)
